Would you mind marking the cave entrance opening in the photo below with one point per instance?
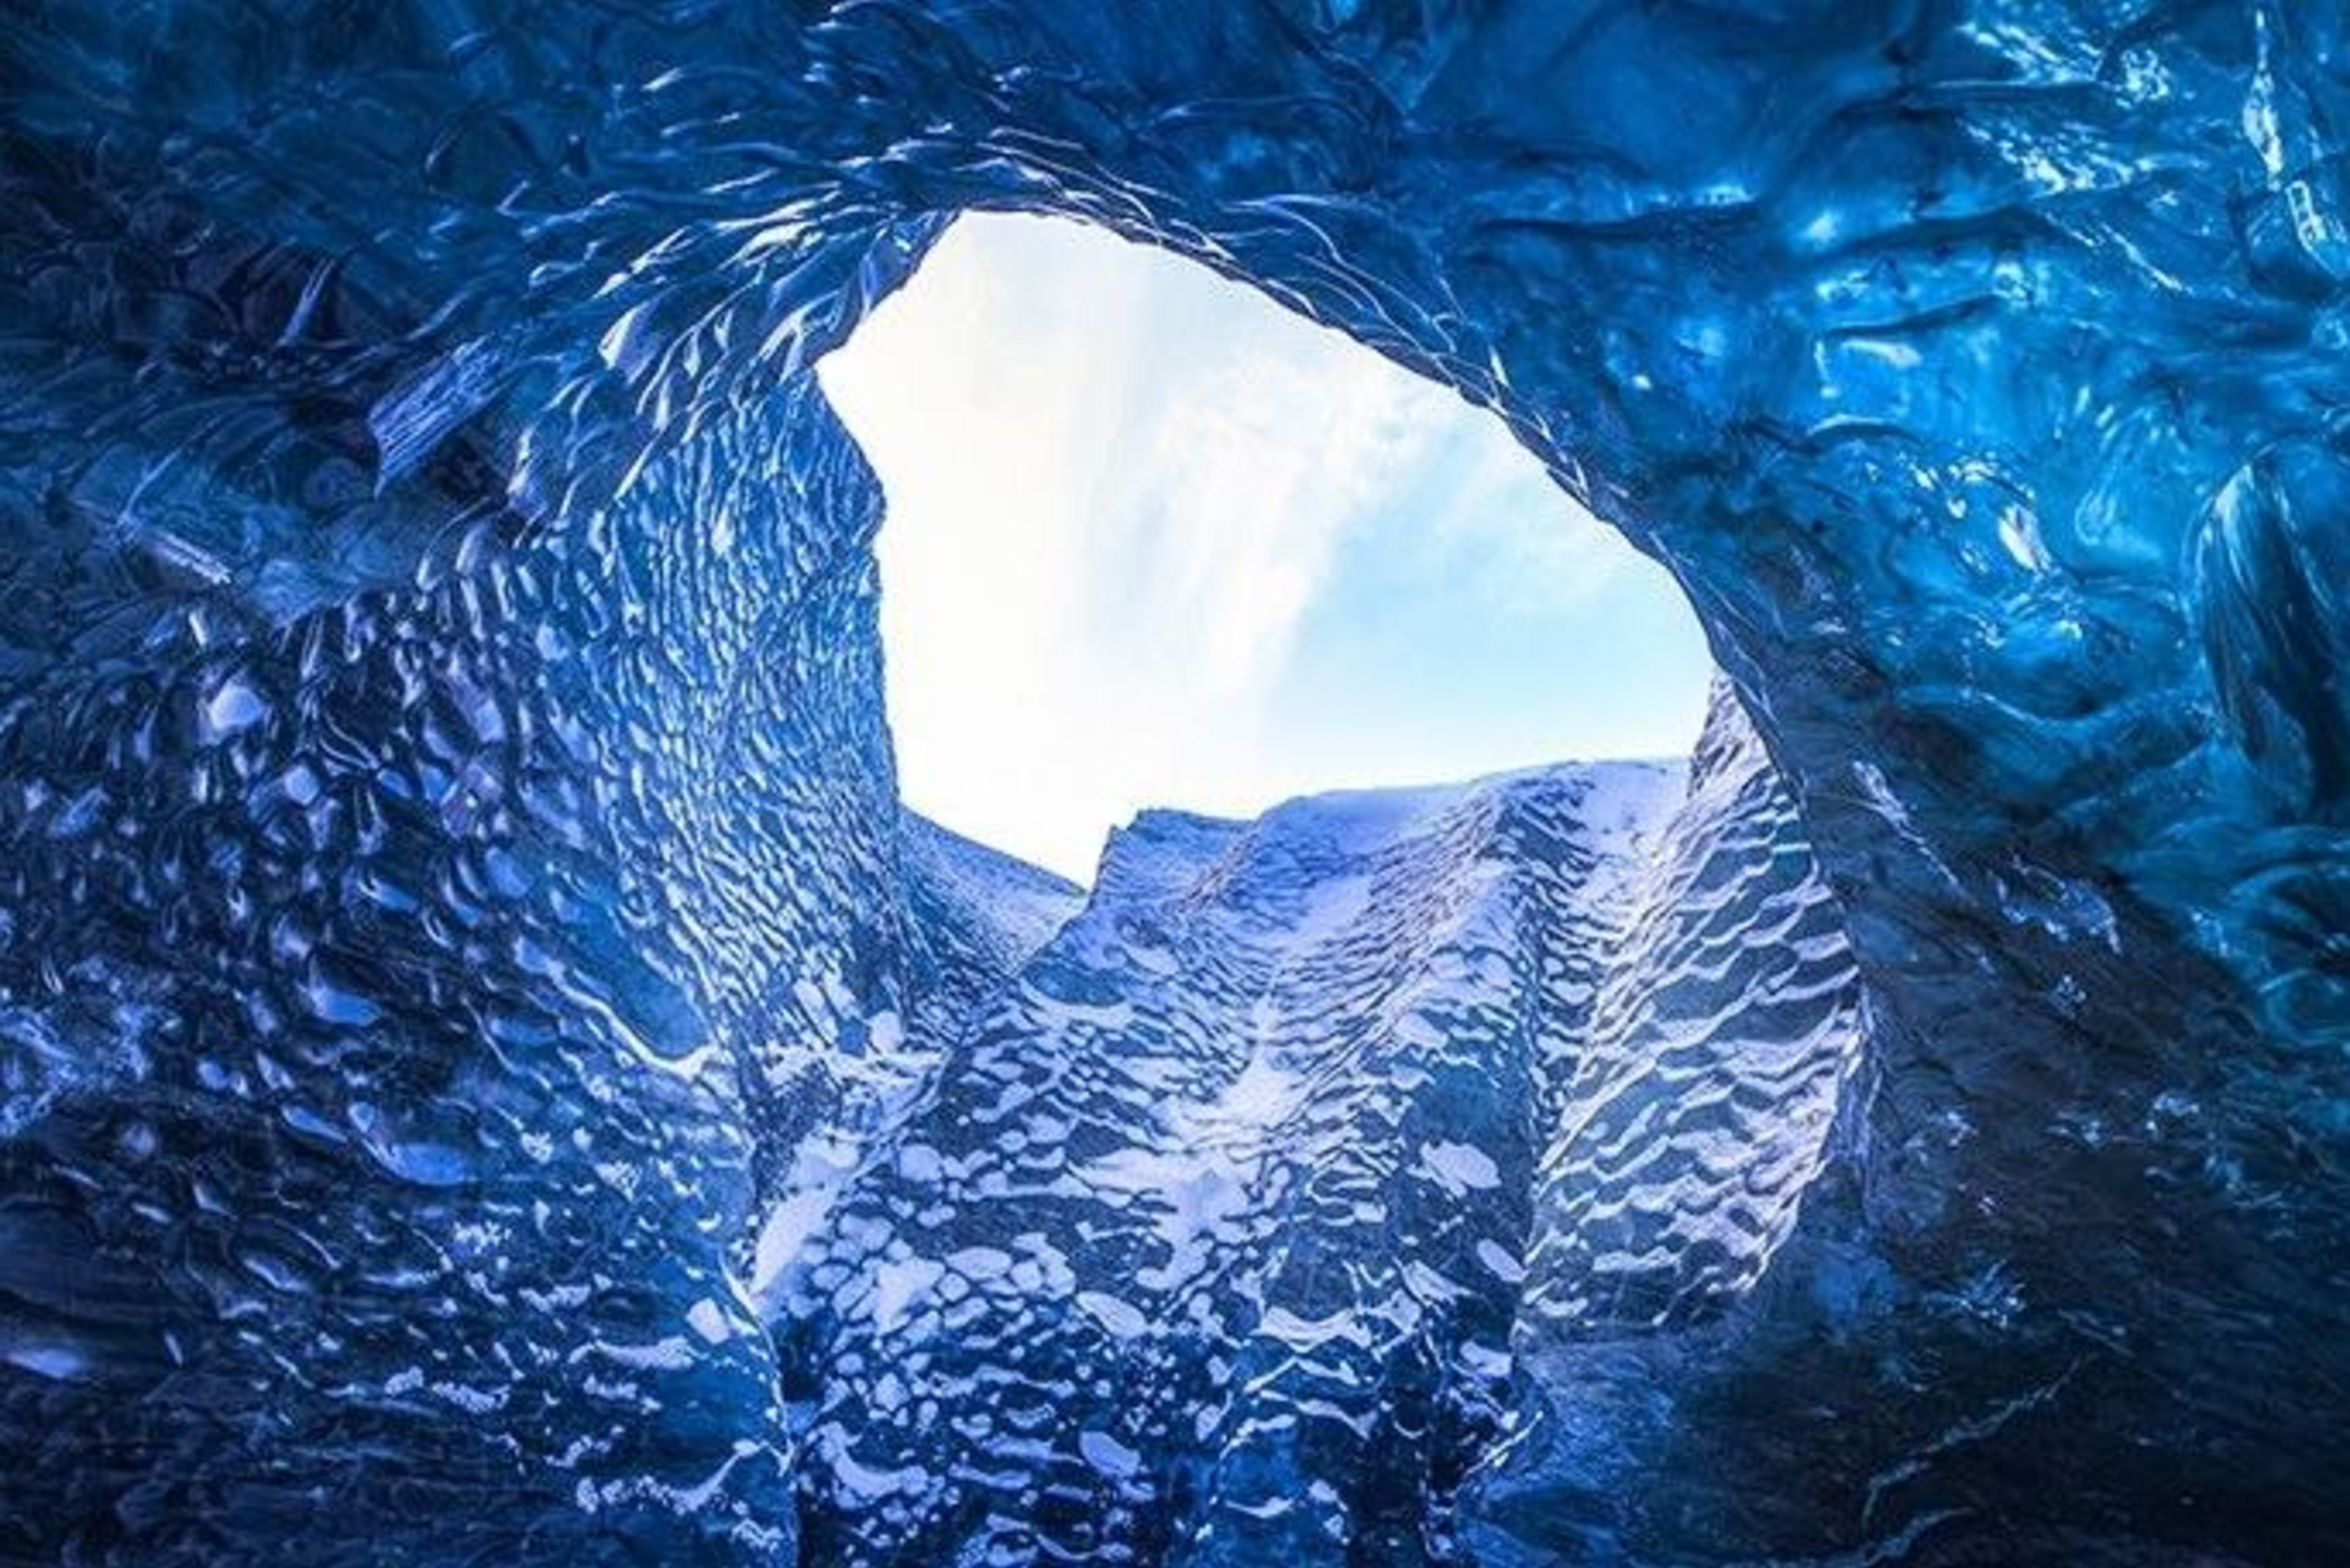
(1154, 539)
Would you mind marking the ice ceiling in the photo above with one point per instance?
(455, 904)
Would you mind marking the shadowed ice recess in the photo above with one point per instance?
(489, 1073)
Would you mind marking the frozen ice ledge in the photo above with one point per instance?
(489, 1073)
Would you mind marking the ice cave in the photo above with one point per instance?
(491, 1073)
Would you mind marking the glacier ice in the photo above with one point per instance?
(488, 1071)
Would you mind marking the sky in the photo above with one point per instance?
(1153, 540)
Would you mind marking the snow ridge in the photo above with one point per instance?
(1209, 1241)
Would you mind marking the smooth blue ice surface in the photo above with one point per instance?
(489, 1072)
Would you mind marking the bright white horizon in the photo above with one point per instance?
(1153, 540)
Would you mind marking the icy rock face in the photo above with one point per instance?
(438, 713)
(1708, 1090)
(980, 914)
(1206, 1246)
(399, 1031)
(1695, 1108)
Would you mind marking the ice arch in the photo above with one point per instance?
(422, 531)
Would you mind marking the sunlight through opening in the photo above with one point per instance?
(1154, 540)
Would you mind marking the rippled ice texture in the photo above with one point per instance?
(488, 1073)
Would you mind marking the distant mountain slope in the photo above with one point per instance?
(982, 911)
(1208, 1242)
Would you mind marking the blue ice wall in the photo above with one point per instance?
(454, 893)
(402, 1013)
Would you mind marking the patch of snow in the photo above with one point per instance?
(669, 1354)
(1107, 1455)
(1462, 1167)
(710, 1321)
(1504, 1267)
(1119, 1319)
(896, 1286)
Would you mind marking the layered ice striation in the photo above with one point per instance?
(489, 1072)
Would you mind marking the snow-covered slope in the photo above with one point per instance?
(1696, 1107)
(1209, 1244)
(975, 915)
(981, 912)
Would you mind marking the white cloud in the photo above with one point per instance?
(1261, 454)
(1118, 487)
(1527, 544)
